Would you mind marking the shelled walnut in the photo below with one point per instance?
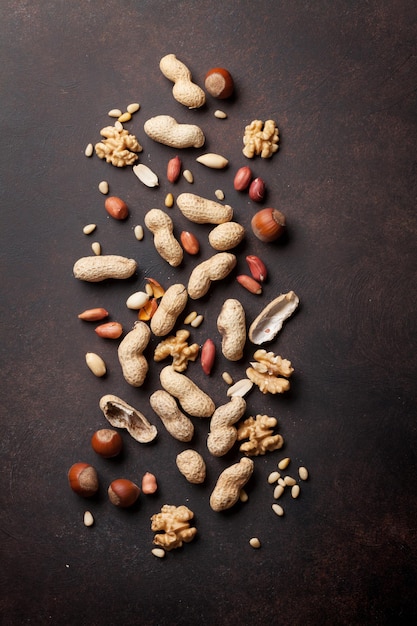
(174, 523)
(259, 431)
(260, 139)
(177, 347)
(118, 147)
(266, 372)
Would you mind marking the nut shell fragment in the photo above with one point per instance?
(121, 415)
(269, 322)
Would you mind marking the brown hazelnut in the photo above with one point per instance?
(123, 493)
(219, 83)
(107, 442)
(268, 224)
(83, 479)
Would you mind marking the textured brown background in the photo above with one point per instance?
(340, 80)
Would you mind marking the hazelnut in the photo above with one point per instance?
(107, 442)
(83, 479)
(268, 224)
(123, 493)
(219, 83)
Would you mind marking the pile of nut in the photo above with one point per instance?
(159, 309)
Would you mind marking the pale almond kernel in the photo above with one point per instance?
(89, 228)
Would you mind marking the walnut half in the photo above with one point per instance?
(118, 147)
(259, 431)
(267, 371)
(260, 139)
(173, 522)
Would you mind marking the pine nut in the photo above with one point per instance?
(132, 108)
(273, 477)
(103, 187)
(197, 321)
(254, 542)
(227, 378)
(114, 113)
(303, 473)
(124, 117)
(295, 491)
(118, 126)
(158, 552)
(278, 491)
(278, 510)
(190, 317)
(169, 200)
(284, 463)
(88, 519)
(282, 482)
(138, 232)
(96, 248)
(188, 176)
(243, 496)
(221, 115)
(219, 194)
(89, 228)
(89, 150)
(289, 481)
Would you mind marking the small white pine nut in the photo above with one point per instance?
(158, 552)
(114, 113)
(190, 317)
(96, 248)
(254, 542)
(133, 107)
(284, 463)
(282, 482)
(103, 187)
(88, 519)
(278, 510)
(169, 200)
(278, 491)
(138, 232)
(227, 378)
(197, 321)
(295, 491)
(89, 150)
(124, 117)
(243, 496)
(303, 473)
(188, 176)
(221, 115)
(273, 477)
(89, 228)
(118, 126)
(289, 481)
(219, 193)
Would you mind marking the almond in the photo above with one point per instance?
(189, 242)
(257, 190)
(174, 169)
(116, 208)
(257, 267)
(249, 283)
(242, 178)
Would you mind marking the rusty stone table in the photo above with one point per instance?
(339, 78)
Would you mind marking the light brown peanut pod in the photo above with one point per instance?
(166, 130)
(202, 210)
(215, 268)
(133, 362)
(94, 269)
(231, 324)
(121, 415)
(162, 227)
(226, 236)
(222, 433)
(229, 484)
(192, 466)
(184, 90)
(170, 307)
(177, 424)
(192, 399)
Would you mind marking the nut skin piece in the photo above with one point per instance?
(231, 324)
(123, 493)
(116, 208)
(192, 399)
(229, 484)
(166, 130)
(177, 424)
(83, 479)
(268, 225)
(219, 83)
(107, 443)
(130, 352)
(223, 434)
(121, 415)
(202, 210)
(226, 236)
(192, 466)
(214, 268)
(94, 269)
(174, 522)
(161, 226)
(184, 90)
(172, 304)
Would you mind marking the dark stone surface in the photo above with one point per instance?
(339, 78)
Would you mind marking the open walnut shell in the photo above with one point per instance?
(121, 415)
(270, 320)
